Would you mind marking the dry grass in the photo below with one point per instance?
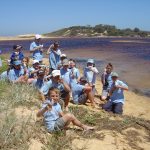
(16, 133)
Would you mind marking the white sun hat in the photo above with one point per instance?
(35, 61)
(63, 55)
(55, 73)
(37, 36)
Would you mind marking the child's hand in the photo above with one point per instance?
(61, 80)
(48, 107)
(41, 46)
(117, 86)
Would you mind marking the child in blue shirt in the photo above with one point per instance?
(90, 73)
(54, 56)
(54, 118)
(25, 65)
(16, 75)
(65, 71)
(37, 49)
(82, 92)
(75, 74)
(106, 80)
(33, 71)
(4, 75)
(17, 54)
(116, 101)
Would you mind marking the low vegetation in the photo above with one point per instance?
(98, 30)
(4, 66)
(17, 130)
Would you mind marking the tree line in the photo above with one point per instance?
(99, 30)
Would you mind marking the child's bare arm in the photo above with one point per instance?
(48, 51)
(122, 87)
(21, 79)
(61, 114)
(103, 79)
(66, 86)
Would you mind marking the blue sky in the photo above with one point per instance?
(42, 16)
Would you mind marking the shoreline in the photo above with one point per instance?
(22, 38)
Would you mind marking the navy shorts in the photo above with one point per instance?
(116, 108)
(82, 98)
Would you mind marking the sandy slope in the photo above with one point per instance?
(136, 105)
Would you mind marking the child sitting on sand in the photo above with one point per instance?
(82, 92)
(54, 118)
(116, 101)
(75, 74)
(17, 54)
(90, 73)
(25, 65)
(16, 75)
(33, 71)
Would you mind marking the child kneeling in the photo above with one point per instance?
(54, 118)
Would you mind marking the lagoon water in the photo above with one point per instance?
(130, 56)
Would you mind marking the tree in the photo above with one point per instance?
(136, 29)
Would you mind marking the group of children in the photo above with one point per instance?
(61, 81)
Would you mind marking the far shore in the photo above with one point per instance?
(16, 38)
(30, 37)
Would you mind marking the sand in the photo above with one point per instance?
(22, 37)
(135, 105)
(112, 141)
(128, 41)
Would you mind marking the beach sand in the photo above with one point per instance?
(22, 37)
(135, 105)
(128, 41)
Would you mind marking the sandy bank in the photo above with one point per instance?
(128, 41)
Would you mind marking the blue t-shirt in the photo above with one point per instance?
(108, 81)
(65, 74)
(37, 54)
(54, 59)
(90, 75)
(47, 85)
(39, 84)
(77, 90)
(15, 57)
(52, 115)
(75, 74)
(117, 95)
(14, 74)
